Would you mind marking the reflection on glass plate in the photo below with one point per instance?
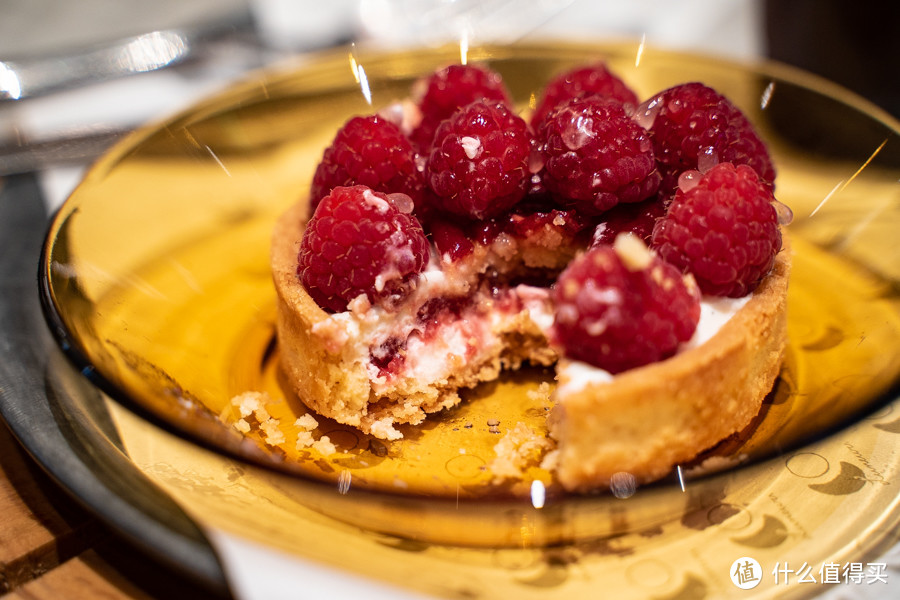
(156, 281)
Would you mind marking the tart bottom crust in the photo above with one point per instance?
(646, 422)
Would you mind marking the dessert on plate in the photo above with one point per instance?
(636, 246)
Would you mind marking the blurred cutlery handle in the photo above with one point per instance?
(40, 76)
(77, 149)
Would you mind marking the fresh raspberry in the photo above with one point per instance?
(451, 240)
(620, 307)
(581, 82)
(369, 151)
(594, 156)
(452, 88)
(638, 219)
(455, 239)
(528, 219)
(695, 127)
(478, 167)
(723, 230)
(361, 242)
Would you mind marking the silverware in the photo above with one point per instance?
(40, 76)
(35, 80)
(23, 80)
(69, 150)
(166, 41)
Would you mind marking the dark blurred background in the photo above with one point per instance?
(853, 43)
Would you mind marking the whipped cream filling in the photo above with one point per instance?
(434, 348)
(431, 351)
(575, 375)
(714, 313)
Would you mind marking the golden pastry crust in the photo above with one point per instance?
(653, 418)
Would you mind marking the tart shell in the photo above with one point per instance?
(641, 425)
(650, 419)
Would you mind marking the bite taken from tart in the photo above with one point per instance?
(636, 248)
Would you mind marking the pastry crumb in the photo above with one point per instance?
(254, 414)
(252, 403)
(307, 422)
(305, 439)
(551, 460)
(324, 446)
(272, 434)
(384, 429)
(517, 451)
(252, 408)
(541, 394)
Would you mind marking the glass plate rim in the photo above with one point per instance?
(279, 73)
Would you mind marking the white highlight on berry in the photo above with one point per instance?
(609, 296)
(471, 146)
(596, 328)
(578, 131)
(632, 251)
(379, 204)
(598, 232)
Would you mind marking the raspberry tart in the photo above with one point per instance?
(651, 273)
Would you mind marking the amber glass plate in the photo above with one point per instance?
(156, 283)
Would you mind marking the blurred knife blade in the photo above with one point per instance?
(140, 54)
(76, 149)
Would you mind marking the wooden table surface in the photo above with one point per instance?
(51, 548)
